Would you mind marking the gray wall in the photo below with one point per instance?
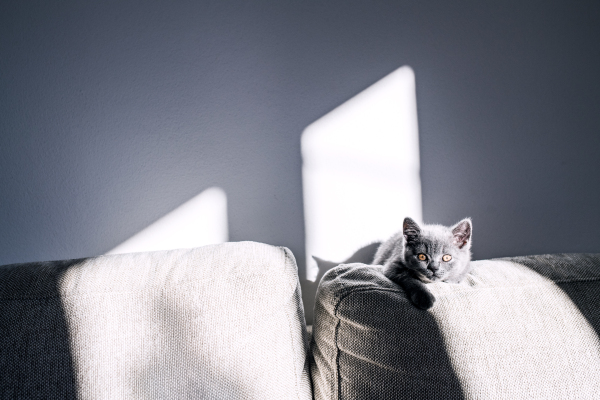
(114, 113)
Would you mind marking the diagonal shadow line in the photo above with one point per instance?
(584, 293)
(36, 360)
(383, 347)
(423, 372)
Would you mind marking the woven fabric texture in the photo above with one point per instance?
(216, 322)
(516, 328)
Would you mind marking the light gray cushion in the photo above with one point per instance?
(217, 322)
(518, 328)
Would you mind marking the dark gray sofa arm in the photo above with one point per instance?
(519, 328)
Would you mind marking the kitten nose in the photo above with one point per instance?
(434, 267)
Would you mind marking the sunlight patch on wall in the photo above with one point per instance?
(361, 170)
(198, 222)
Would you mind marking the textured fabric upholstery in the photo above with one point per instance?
(518, 328)
(217, 322)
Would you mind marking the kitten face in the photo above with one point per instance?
(437, 253)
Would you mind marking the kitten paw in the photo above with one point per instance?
(423, 300)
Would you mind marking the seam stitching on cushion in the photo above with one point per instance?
(539, 284)
(295, 355)
(546, 255)
(596, 278)
(583, 280)
(337, 347)
(337, 355)
(289, 260)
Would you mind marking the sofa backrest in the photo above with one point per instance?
(217, 322)
(518, 328)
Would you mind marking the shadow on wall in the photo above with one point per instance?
(35, 347)
(364, 255)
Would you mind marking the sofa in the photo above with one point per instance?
(227, 322)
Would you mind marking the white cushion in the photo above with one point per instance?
(216, 322)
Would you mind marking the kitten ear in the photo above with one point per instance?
(410, 229)
(462, 233)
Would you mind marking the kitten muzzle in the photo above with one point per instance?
(430, 276)
(424, 276)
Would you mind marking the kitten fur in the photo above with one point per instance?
(399, 256)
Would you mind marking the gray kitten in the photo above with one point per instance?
(423, 254)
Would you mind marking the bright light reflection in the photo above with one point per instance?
(198, 222)
(361, 170)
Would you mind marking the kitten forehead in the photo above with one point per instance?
(437, 234)
(435, 239)
(431, 247)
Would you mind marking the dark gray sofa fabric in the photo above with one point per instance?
(35, 352)
(217, 322)
(520, 328)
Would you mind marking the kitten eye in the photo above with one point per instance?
(422, 257)
(447, 257)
